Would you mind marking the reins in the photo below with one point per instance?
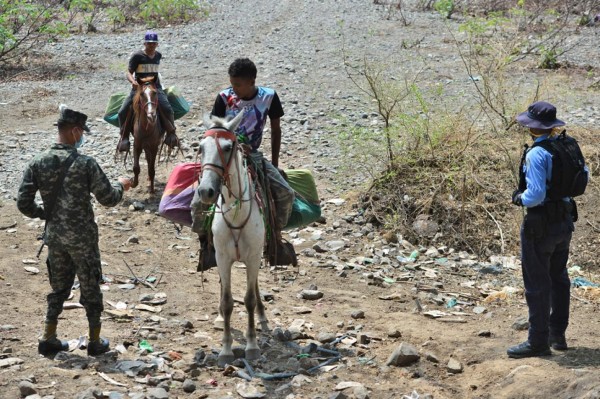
(143, 104)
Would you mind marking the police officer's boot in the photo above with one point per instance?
(49, 345)
(97, 344)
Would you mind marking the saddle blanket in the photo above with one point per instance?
(175, 204)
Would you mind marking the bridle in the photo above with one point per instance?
(224, 174)
(146, 100)
(222, 171)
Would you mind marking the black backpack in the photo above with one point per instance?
(569, 177)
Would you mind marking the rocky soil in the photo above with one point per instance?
(364, 314)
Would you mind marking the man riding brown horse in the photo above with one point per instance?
(142, 64)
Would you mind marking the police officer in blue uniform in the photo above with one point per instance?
(545, 238)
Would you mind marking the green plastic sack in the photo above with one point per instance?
(306, 207)
(303, 183)
(303, 213)
(111, 115)
(178, 103)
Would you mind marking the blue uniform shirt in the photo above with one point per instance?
(538, 172)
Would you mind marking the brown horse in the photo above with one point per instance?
(147, 130)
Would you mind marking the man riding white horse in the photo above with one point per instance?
(256, 103)
(142, 64)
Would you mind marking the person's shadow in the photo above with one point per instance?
(577, 357)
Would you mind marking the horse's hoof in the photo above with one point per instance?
(264, 327)
(252, 354)
(224, 360)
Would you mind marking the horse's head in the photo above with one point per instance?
(146, 99)
(217, 148)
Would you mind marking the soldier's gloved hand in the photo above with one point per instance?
(516, 198)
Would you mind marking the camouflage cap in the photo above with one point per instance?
(76, 118)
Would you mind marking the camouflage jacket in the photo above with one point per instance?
(73, 216)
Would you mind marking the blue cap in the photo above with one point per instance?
(151, 37)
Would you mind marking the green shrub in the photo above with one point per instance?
(444, 7)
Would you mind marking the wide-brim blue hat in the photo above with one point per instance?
(540, 115)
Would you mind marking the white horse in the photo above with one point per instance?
(238, 229)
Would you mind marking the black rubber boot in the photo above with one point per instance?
(99, 347)
(97, 344)
(50, 347)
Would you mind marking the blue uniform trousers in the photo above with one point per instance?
(547, 286)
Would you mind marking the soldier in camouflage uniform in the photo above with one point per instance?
(71, 233)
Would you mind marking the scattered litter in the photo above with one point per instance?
(72, 305)
(148, 308)
(31, 261)
(581, 282)
(145, 345)
(434, 314)
(77, 343)
(110, 380)
(451, 303)
(119, 305)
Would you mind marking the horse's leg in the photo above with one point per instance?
(219, 322)
(262, 317)
(151, 159)
(250, 300)
(226, 308)
(137, 150)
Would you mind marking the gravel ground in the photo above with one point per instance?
(297, 47)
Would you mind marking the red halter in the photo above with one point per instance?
(222, 171)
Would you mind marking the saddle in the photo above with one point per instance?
(277, 250)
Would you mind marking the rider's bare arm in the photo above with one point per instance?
(275, 141)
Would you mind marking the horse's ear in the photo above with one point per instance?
(233, 124)
(208, 122)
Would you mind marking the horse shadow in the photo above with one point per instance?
(577, 357)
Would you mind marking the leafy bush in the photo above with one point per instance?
(444, 7)
(26, 24)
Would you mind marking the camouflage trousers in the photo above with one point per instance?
(283, 196)
(63, 265)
